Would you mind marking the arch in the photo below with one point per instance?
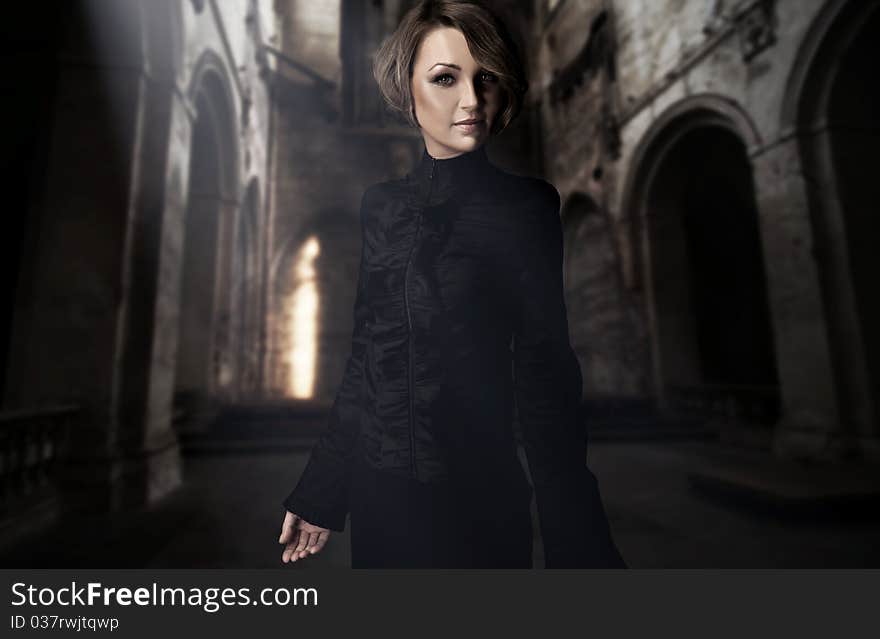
(808, 85)
(205, 366)
(329, 282)
(309, 226)
(211, 92)
(830, 109)
(700, 261)
(703, 110)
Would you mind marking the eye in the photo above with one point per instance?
(489, 76)
(439, 78)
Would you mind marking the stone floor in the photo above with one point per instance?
(671, 504)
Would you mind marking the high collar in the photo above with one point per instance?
(436, 180)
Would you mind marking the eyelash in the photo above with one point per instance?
(492, 78)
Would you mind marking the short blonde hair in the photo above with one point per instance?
(489, 42)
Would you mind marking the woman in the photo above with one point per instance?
(459, 260)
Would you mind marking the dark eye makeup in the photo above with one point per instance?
(440, 78)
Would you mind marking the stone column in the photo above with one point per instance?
(810, 425)
(92, 321)
(223, 375)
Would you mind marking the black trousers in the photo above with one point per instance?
(398, 522)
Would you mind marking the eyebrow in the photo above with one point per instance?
(447, 64)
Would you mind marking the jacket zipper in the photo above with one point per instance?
(412, 430)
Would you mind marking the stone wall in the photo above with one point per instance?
(99, 297)
(680, 67)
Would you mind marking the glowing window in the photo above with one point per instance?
(303, 322)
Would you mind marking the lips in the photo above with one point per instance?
(472, 121)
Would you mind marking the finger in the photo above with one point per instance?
(294, 553)
(313, 539)
(302, 540)
(290, 549)
(322, 539)
(303, 548)
(288, 527)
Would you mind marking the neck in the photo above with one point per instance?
(437, 179)
(444, 153)
(455, 168)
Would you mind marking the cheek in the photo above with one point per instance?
(493, 102)
(438, 107)
(440, 100)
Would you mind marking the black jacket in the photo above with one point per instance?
(459, 311)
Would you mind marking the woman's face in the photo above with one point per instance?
(448, 86)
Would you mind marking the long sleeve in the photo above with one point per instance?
(548, 384)
(322, 494)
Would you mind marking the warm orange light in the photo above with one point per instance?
(303, 323)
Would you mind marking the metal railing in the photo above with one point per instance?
(727, 402)
(31, 444)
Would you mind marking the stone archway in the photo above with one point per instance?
(205, 363)
(832, 112)
(314, 278)
(702, 267)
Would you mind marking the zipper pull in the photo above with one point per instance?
(433, 161)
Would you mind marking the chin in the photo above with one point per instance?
(470, 143)
(463, 144)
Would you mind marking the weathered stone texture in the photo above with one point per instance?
(674, 62)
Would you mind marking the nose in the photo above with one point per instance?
(469, 97)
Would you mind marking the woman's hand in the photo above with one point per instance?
(302, 538)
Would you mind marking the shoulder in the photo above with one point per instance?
(537, 199)
(544, 196)
(536, 203)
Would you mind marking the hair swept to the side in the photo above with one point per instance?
(489, 42)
